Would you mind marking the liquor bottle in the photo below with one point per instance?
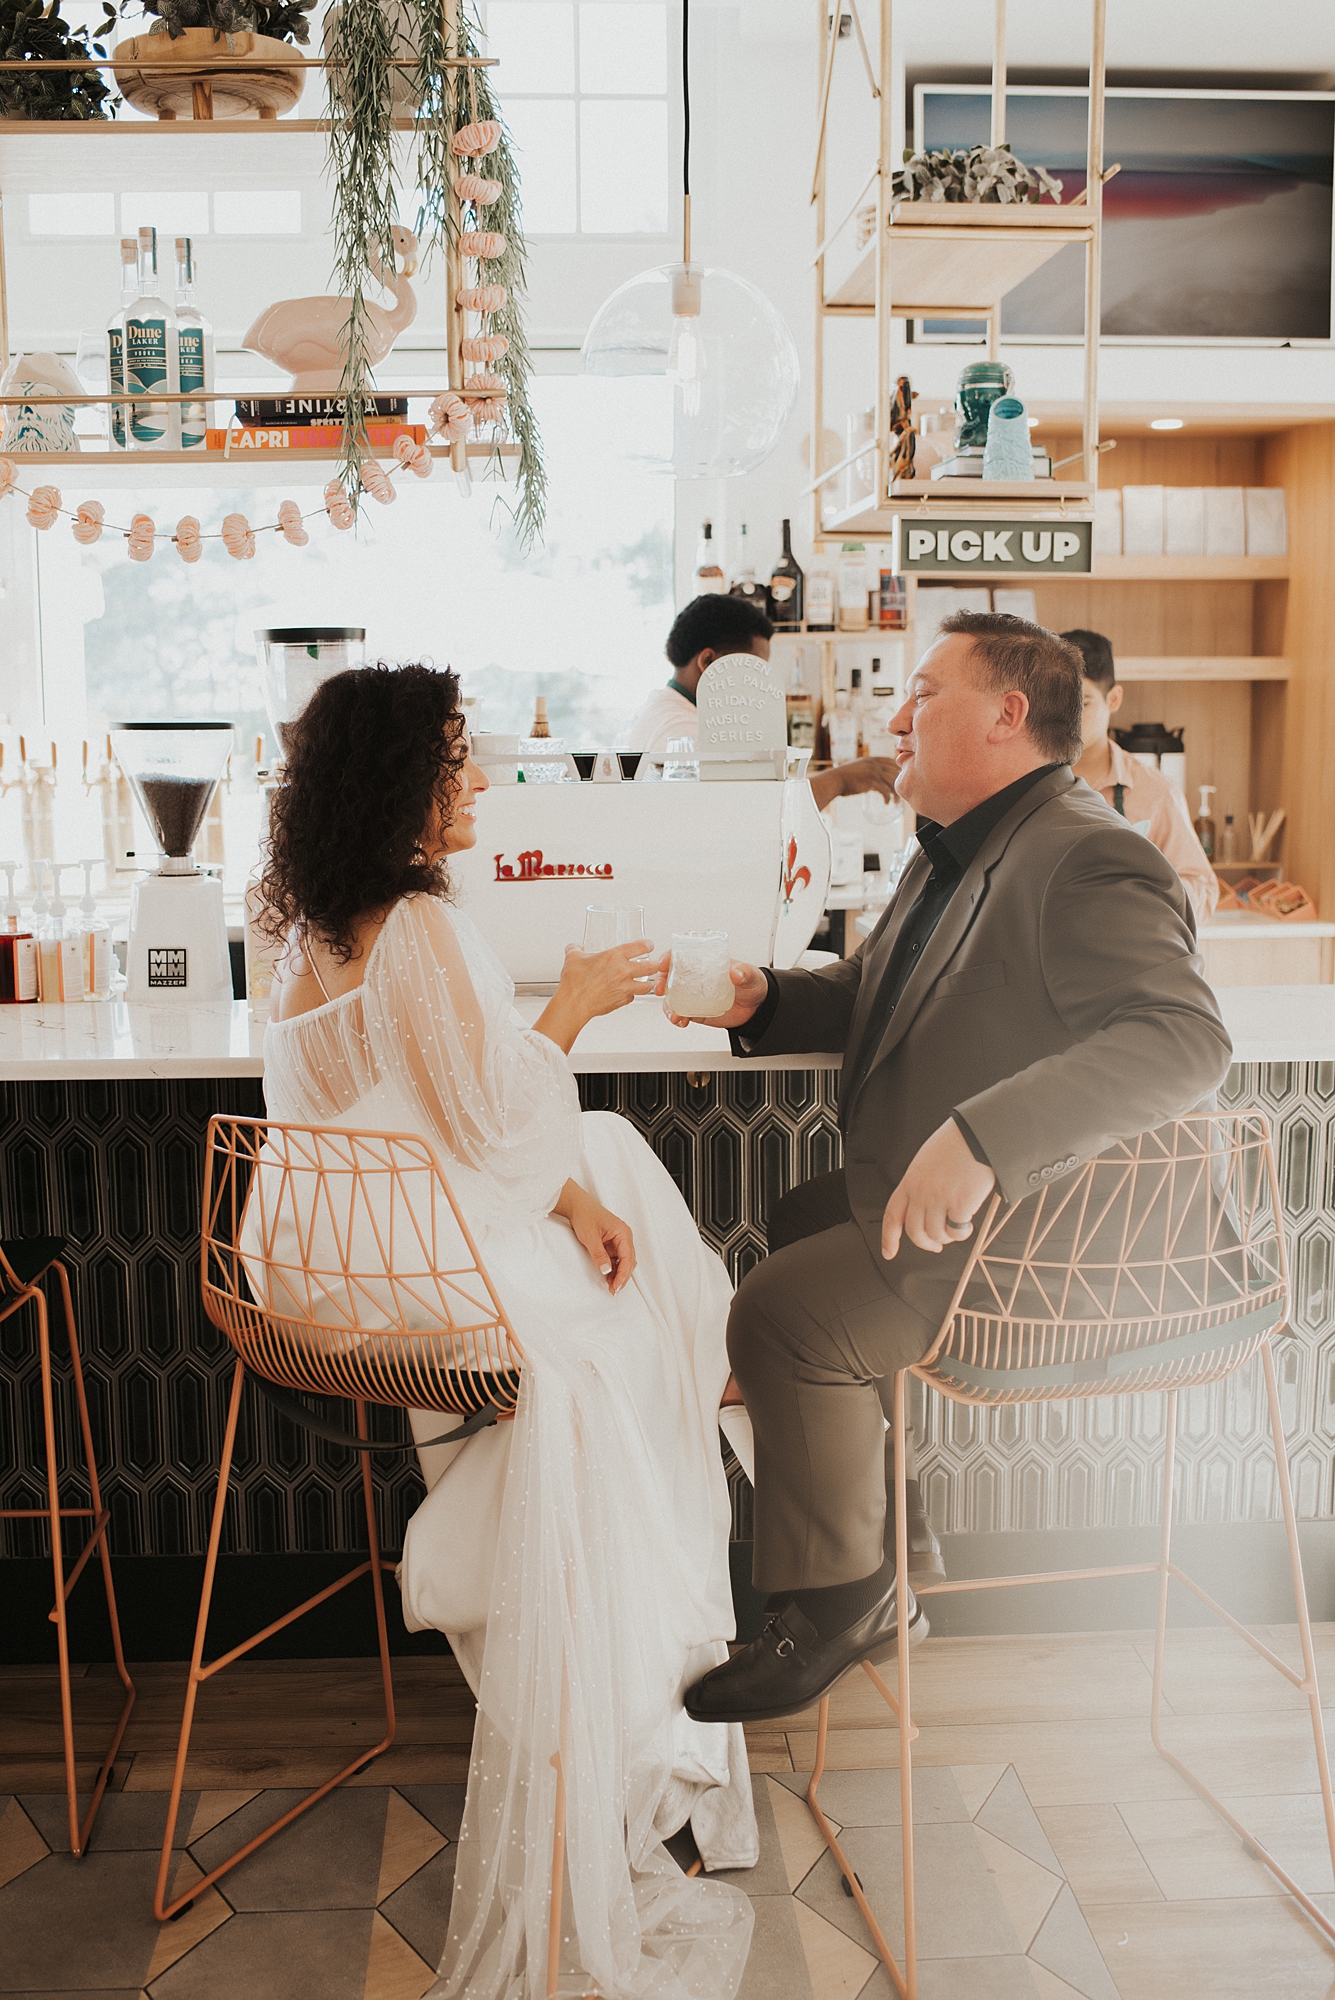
(708, 574)
(820, 599)
(541, 726)
(841, 726)
(853, 587)
(151, 356)
(746, 585)
(785, 587)
(194, 346)
(858, 703)
(1228, 849)
(1203, 826)
(18, 948)
(116, 337)
(801, 711)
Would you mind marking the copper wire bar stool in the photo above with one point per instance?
(337, 1263)
(24, 1262)
(1160, 1266)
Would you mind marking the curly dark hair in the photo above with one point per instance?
(370, 754)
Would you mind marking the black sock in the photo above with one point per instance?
(833, 1607)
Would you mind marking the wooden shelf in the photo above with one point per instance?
(1189, 569)
(1015, 499)
(121, 470)
(959, 257)
(1240, 667)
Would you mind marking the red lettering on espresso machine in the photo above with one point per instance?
(532, 867)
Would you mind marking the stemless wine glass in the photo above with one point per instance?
(698, 984)
(605, 927)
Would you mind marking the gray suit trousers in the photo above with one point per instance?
(815, 1337)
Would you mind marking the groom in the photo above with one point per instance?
(1031, 995)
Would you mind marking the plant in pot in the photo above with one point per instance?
(185, 57)
(458, 154)
(30, 33)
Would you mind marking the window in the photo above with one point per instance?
(584, 89)
(240, 212)
(582, 619)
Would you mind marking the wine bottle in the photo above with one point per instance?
(194, 346)
(708, 573)
(151, 360)
(746, 585)
(785, 587)
(116, 337)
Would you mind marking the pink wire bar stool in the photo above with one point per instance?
(1159, 1266)
(24, 1261)
(337, 1263)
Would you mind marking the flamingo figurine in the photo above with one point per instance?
(306, 335)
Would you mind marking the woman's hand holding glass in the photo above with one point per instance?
(593, 983)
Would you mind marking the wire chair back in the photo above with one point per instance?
(339, 1263)
(1159, 1265)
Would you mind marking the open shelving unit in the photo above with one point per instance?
(942, 260)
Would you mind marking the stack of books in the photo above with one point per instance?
(327, 438)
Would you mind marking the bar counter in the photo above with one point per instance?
(112, 1040)
(104, 1110)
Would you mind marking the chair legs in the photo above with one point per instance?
(53, 1514)
(201, 1672)
(905, 1979)
(1306, 1681)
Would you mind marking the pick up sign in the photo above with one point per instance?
(997, 549)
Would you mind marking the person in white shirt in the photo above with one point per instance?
(1142, 796)
(708, 629)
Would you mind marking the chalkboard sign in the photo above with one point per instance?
(742, 719)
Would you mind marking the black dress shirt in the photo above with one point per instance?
(949, 851)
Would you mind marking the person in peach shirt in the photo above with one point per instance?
(1142, 796)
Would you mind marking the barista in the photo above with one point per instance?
(709, 629)
(1142, 796)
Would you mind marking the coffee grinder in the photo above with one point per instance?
(294, 659)
(178, 933)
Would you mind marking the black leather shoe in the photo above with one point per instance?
(789, 1666)
(926, 1563)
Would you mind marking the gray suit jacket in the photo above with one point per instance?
(1059, 1006)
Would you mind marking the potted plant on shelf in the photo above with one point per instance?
(185, 65)
(28, 34)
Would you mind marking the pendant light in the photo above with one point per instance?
(716, 337)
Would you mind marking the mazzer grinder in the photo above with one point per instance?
(178, 933)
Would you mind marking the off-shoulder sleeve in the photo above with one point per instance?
(497, 1097)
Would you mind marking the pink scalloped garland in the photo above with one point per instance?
(44, 506)
(470, 142)
(290, 524)
(189, 544)
(142, 538)
(481, 193)
(88, 522)
(415, 457)
(338, 506)
(238, 537)
(483, 243)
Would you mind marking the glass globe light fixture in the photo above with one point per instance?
(718, 340)
(728, 354)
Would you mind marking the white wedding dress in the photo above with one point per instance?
(577, 1558)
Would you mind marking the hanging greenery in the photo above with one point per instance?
(367, 38)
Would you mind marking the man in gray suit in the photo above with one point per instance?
(1031, 995)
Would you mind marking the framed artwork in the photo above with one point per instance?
(1217, 229)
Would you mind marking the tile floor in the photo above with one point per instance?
(1059, 1856)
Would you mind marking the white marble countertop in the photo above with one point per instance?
(112, 1039)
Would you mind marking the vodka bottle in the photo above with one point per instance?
(747, 585)
(785, 587)
(116, 338)
(151, 356)
(194, 345)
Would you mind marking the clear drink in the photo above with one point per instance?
(698, 984)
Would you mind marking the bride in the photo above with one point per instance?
(577, 1557)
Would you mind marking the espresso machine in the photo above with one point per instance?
(177, 948)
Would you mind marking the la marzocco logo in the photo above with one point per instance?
(532, 867)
